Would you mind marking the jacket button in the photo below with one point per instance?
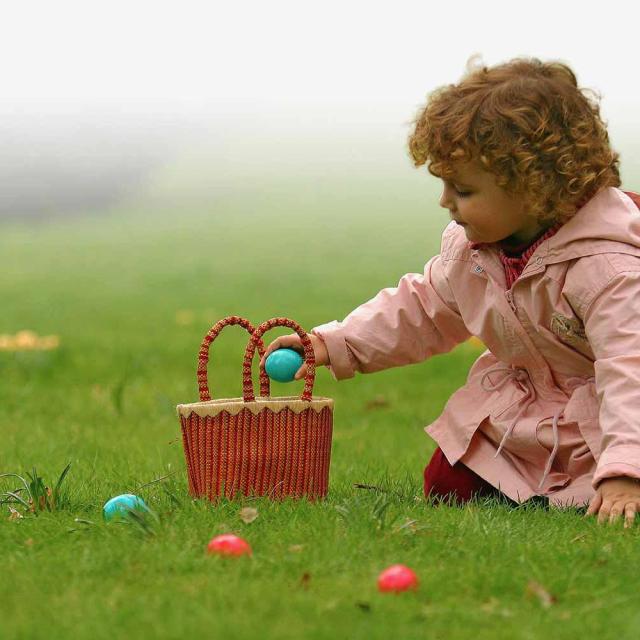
(538, 260)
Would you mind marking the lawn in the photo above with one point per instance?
(130, 294)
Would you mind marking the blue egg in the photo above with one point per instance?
(282, 364)
(118, 508)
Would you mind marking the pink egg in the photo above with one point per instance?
(228, 545)
(397, 578)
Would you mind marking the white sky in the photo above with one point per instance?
(166, 56)
(292, 70)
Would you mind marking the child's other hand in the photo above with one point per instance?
(294, 342)
(615, 497)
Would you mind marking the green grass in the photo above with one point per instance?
(110, 287)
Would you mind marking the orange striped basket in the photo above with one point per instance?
(263, 446)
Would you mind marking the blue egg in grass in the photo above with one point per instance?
(118, 508)
(282, 364)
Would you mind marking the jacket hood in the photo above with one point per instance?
(609, 222)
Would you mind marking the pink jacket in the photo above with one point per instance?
(553, 405)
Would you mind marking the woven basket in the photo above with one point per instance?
(257, 446)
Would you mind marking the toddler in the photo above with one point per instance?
(541, 261)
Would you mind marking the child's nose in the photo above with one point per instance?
(445, 200)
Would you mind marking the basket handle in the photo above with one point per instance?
(203, 355)
(309, 357)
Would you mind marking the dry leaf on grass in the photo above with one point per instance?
(379, 402)
(28, 341)
(305, 580)
(536, 589)
(248, 514)
(14, 515)
(296, 548)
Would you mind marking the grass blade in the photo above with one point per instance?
(56, 490)
(15, 475)
(19, 499)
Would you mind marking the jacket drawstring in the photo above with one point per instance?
(520, 375)
(556, 443)
(573, 384)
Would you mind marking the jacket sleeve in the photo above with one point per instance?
(399, 326)
(612, 325)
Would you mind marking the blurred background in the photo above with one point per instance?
(177, 103)
(166, 164)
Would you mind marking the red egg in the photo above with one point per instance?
(228, 545)
(397, 578)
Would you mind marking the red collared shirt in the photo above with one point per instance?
(515, 264)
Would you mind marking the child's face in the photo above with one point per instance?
(485, 210)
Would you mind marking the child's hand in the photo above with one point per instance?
(615, 497)
(294, 342)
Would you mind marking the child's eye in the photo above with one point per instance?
(463, 194)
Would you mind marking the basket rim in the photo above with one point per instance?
(233, 406)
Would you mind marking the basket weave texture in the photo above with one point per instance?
(278, 447)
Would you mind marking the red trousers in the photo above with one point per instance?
(457, 482)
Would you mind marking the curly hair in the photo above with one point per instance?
(528, 123)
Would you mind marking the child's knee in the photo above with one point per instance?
(454, 483)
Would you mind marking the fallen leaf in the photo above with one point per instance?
(28, 542)
(28, 341)
(296, 548)
(579, 537)
(536, 589)
(25, 340)
(14, 515)
(378, 402)
(305, 580)
(248, 514)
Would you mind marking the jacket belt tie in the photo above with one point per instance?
(573, 384)
(522, 377)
